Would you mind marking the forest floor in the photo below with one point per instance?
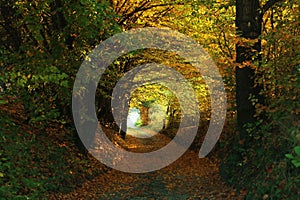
(187, 178)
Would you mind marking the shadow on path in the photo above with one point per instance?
(187, 178)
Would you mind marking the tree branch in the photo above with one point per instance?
(144, 7)
(268, 5)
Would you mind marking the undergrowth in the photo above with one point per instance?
(35, 163)
(259, 165)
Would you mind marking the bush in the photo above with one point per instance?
(51, 40)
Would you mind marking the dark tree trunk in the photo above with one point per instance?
(88, 124)
(249, 25)
(123, 110)
(123, 125)
(104, 110)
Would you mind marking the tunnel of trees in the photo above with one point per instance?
(254, 43)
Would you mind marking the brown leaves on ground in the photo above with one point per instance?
(187, 178)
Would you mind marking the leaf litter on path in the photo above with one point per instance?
(187, 178)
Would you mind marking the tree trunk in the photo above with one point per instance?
(104, 111)
(144, 115)
(249, 25)
(123, 125)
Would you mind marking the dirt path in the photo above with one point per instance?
(140, 132)
(187, 178)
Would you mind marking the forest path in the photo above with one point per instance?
(187, 178)
(139, 132)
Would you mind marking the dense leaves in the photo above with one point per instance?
(43, 44)
(53, 37)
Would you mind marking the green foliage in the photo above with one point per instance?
(2, 101)
(138, 123)
(295, 159)
(19, 170)
(261, 168)
(147, 95)
(43, 44)
(33, 165)
(53, 37)
(42, 91)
